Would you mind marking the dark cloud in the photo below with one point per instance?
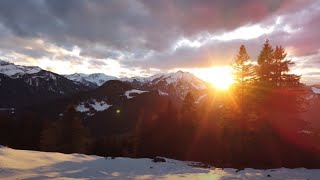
(74, 60)
(191, 16)
(97, 63)
(129, 25)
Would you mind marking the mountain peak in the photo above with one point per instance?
(12, 70)
(97, 79)
(176, 77)
(181, 72)
(3, 63)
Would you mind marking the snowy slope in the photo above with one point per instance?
(97, 78)
(21, 164)
(15, 71)
(27, 85)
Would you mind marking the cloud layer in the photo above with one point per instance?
(140, 35)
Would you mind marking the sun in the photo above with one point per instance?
(220, 76)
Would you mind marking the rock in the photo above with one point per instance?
(158, 159)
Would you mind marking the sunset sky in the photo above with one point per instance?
(143, 37)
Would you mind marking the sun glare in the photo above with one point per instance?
(220, 77)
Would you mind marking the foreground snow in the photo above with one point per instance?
(20, 164)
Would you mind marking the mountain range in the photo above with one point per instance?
(28, 85)
(99, 96)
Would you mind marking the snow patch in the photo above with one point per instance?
(82, 108)
(199, 86)
(315, 90)
(161, 93)
(100, 106)
(305, 132)
(310, 97)
(93, 103)
(133, 91)
(200, 98)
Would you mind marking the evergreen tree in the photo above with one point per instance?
(275, 81)
(273, 68)
(165, 132)
(188, 115)
(280, 100)
(282, 67)
(188, 104)
(244, 75)
(158, 135)
(49, 137)
(266, 63)
(73, 134)
(66, 135)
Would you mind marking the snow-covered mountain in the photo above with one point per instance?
(25, 85)
(178, 77)
(91, 80)
(170, 79)
(176, 84)
(23, 164)
(36, 83)
(16, 71)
